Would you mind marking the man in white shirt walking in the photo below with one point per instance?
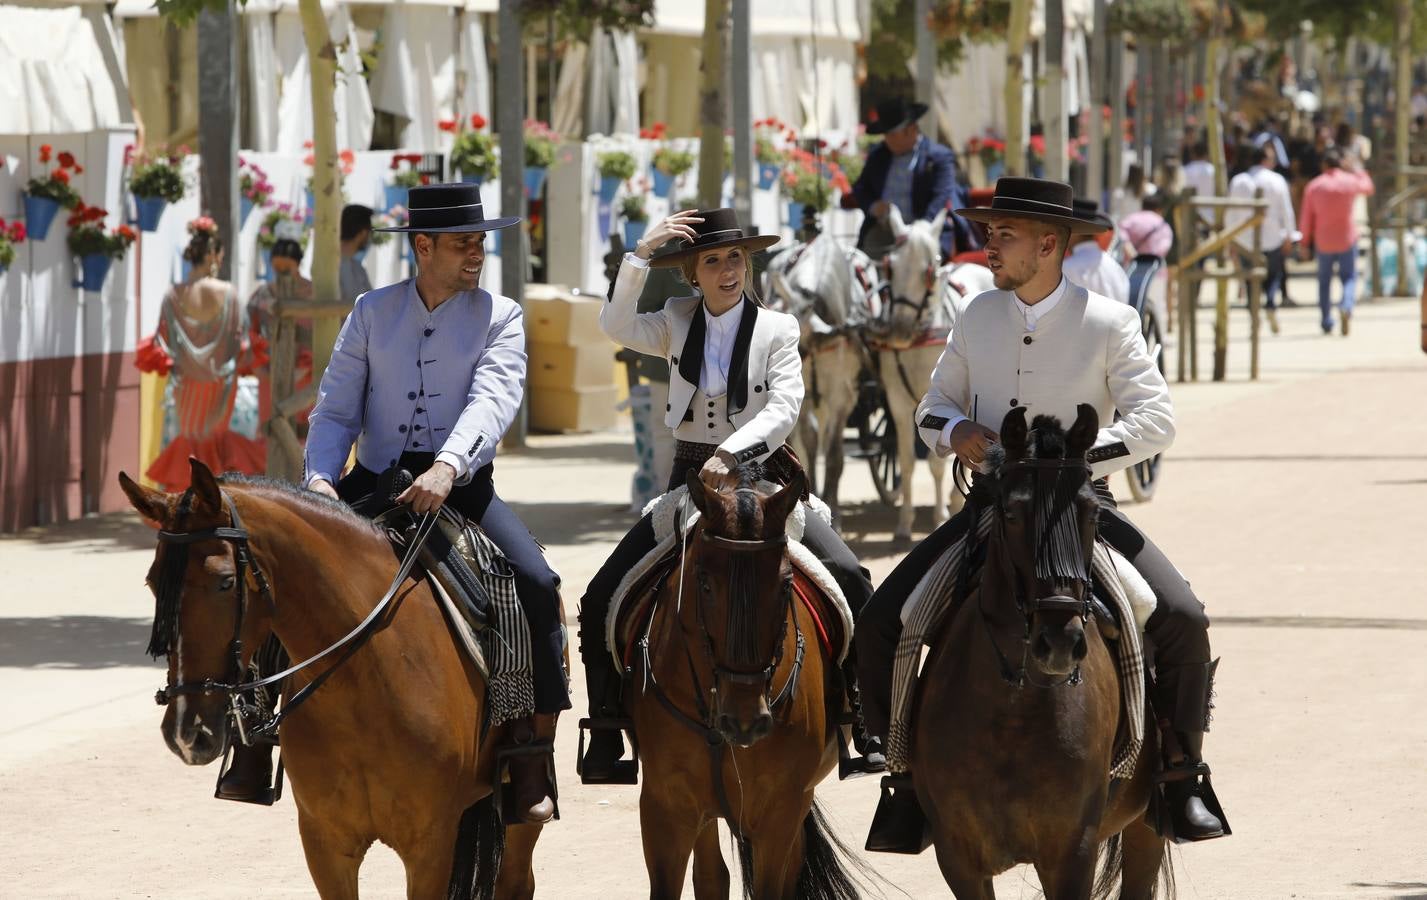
(1199, 174)
(1091, 267)
(1279, 230)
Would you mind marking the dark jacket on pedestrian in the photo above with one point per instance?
(935, 187)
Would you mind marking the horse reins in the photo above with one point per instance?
(244, 561)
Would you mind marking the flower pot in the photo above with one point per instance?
(534, 181)
(609, 186)
(395, 195)
(994, 171)
(40, 213)
(245, 209)
(795, 216)
(477, 180)
(663, 184)
(150, 210)
(767, 175)
(267, 265)
(3, 269)
(310, 209)
(185, 270)
(633, 231)
(93, 268)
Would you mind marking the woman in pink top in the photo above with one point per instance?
(1328, 227)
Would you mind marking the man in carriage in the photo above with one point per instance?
(1046, 345)
(426, 375)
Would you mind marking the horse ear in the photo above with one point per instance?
(696, 491)
(894, 221)
(780, 505)
(206, 493)
(151, 504)
(1014, 433)
(938, 223)
(1082, 434)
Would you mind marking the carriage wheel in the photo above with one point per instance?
(877, 439)
(1144, 476)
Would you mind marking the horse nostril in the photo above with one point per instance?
(762, 725)
(1041, 648)
(1081, 648)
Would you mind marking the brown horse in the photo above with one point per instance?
(731, 706)
(1013, 765)
(391, 748)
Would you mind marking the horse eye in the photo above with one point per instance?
(227, 583)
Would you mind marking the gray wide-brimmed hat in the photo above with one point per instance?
(1033, 198)
(448, 208)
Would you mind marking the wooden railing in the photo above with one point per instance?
(1194, 256)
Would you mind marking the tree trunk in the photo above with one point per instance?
(326, 185)
(713, 105)
(1017, 32)
(1099, 65)
(218, 124)
(1402, 131)
(1212, 120)
(1054, 105)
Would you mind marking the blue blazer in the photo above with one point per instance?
(934, 187)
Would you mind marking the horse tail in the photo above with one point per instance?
(828, 863)
(480, 842)
(1112, 861)
(744, 850)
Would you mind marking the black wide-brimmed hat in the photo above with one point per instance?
(1089, 211)
(1032, 198)
(719, 228)
(447, 208)
(889, 115)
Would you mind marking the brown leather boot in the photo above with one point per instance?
(532, 771)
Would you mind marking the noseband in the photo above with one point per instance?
(764, 675)
(1029, 607)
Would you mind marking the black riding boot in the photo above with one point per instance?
(872, 759)
(600, 762)
(249, 778)
(898, 825)
(1182, 702)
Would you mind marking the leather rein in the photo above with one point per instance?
(245, 562)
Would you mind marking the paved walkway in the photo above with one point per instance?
(1294, 504)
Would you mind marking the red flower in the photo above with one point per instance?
(1038, 144)
(309, 159)
(395, 163)
(478, 121)
(95, 214)
(66, 159)
(307, 145)
(425, 179)
(78, 169)
(447, 125)
(45, 151)
(347, 156)
(60, 175)
(127, 233)
(17, 232)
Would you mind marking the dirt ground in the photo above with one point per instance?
(1294, 504)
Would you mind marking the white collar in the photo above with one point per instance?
(1034, 313)
(726, 322)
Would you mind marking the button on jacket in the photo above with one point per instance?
(1087, 349)
(765, 373)
(403, 378)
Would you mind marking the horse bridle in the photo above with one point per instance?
(764, 675)
(893, 300)
(1018, 676)
(244, 562)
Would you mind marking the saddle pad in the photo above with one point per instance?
(673, 518)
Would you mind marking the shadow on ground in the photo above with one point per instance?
(605, 447)
(1411, 890)
(74, 642)
(106, 534)
(579, 522)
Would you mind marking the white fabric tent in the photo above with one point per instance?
(60, 71)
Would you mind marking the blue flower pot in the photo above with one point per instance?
(93, 268)
(150, 210)
(767, 175)
(40, 213)
(267, 260)
(663, 184)
(477, 180)
(609, 186)
(245, 209)
(185, 270)
(3, 269)
(310, 209)
(795, 215)
(633, 231)
(534, 181)
(395, 195)
(994, 171)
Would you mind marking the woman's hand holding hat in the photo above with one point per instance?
(678, 226)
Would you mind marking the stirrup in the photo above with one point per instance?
(1161, 815)
(849, 765)
(899, 825)
(622, 771)
(504, 788)
(263, 796)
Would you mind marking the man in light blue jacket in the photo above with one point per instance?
(427, 374)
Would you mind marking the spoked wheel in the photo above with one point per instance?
(1144, 476)
(877, 439)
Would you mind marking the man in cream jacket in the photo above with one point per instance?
(1042, 343)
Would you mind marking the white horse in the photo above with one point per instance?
(827, 287)
(909, 329)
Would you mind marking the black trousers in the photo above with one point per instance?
(535, 583)
(1178, 628)
(818, 536)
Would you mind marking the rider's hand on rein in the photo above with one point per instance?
(324, 487)
(430, 490)
(970, 440)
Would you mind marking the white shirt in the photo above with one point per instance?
(1093, 269)
(1199, 174)
(719, 334)
(1031, 314)
(1279, 224)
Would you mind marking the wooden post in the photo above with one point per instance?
(326, 186)
(283, 462)
(1254, 287)
(1221, 305)
(511, 129)
(1054, 105)
(1403, 46)
(926, 58)
(1095, 155)
(1116, 93)
(1018, 30)
(1160, 113)
(742, 113)
(218, 117)
(713, 106)
(1186, 227)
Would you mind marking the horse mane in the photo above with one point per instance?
(307, 501)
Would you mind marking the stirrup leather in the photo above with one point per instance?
(623, 771)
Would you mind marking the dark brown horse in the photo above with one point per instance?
(390, 748)
(731, 706)
(1012, 765)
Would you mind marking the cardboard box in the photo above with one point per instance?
(560, 366)
(583, 409)
(555, 316)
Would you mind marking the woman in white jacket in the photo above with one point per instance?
(735, 387)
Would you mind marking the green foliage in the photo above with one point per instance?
(615, 164)
(184, 12)
(893, 38)
(631, 207)
(159, 174)
(1373, 20)
(473, 154)
(579, 18)
(672, 161)
(540, 140)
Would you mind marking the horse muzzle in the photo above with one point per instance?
(743, 716)
(196, 730)
(1058, 646)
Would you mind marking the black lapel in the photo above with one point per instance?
(691, 359)
(738, 364)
